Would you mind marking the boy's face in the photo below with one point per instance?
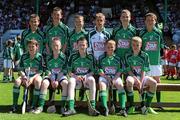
(56, 16)
(32, 48)
(82, 45)
(136, 46)
(110, 48)
(150, 21)
(56, 45)
(125, 18)
(79, 22)
(34, 22)
(100, 21)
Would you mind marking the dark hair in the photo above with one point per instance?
(82, 39)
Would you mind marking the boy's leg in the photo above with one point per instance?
(37, 83)
(16, 91)
(130, 94)
(122, 97)
(91, 83)
(42, 96)
(103, 94)
(71, 94)
(64, 85)
(152, 85)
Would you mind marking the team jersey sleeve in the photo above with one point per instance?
(100, 68)
(69, 65)
(127, 67)
(93, 66)
(64, 67)
(146, 63)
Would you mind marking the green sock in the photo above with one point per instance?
(103, 96)
(16, 91)
(122, 98)
(143, 98)
(149, 98)
(93, 103)
(158, 96)
(71, 104)
(63, 101)
(42, 98)
(4, 78)
(130, 98)
(35, 97)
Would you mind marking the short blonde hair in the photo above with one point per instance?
(100, 15)
(126, 11)
(136, 39)
(57, 9)
(110, 41)
(152, 15)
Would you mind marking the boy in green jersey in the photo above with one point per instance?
(110, 68)
(30, 64)
(152, 44)
(56, 29)
(123, 34)
(81, 67)
(55, 76)
(8, 63)
(33, 33)
(76, 33)
(137, 64)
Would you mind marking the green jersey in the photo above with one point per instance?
(55, 66)
(18, 52)
(122, 37)
(8, 53)
(81, 65)
(61, 31)
(35, 64)
(29, 35)
(152, 44)
(137, 63)
(73, 37)
(110, 65)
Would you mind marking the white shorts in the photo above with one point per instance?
(178, 64)
(164, 62)
(172, 64)
(86, 85)
(155, 70)
(102, 79)
(8, 63)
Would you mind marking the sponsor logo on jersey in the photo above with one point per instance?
(56, 70)
(98, 46)
(81, 70)
(110, 70)
(123, 43)
(151, 46)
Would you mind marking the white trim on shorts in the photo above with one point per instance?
(155, 70)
